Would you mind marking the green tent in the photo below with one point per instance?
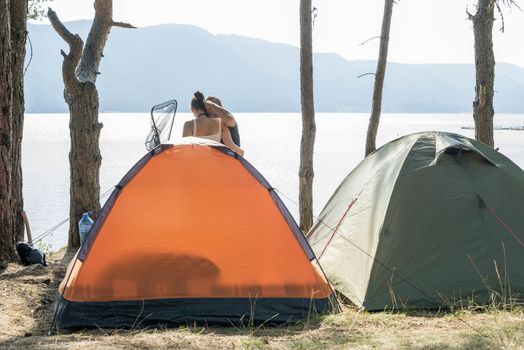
(426, 221)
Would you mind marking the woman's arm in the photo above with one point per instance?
(228, 141)
(221, 112)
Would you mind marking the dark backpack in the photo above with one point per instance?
(29, 255)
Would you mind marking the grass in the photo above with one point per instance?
(27, 301)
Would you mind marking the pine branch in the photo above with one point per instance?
(76, 47)
(363, 75)
(123, 25)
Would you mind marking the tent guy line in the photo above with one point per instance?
(338, 225)
(54, 228)
(506, 226)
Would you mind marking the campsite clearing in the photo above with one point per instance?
(27, 297)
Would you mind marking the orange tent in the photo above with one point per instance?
(193, 233)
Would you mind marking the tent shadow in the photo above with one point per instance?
(154, 275)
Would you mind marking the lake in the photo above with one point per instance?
(271, 142)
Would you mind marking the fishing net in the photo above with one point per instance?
(162, 118)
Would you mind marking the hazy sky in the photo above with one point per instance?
(423, 31)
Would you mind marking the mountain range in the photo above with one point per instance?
(145, 66)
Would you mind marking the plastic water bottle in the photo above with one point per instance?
(84, 225)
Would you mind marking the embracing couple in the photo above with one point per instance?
(213, 122)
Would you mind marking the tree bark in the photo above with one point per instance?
(84, 157)
(82, 97)
(18, 16)
(379, 78)
(483, 111)
(7, 237)
(307, 143)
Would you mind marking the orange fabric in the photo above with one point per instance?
(194, 223)
(71, 273)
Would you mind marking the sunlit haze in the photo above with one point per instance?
(423, 31)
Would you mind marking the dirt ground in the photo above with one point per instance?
(27, 297)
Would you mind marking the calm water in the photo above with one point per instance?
(271, 143)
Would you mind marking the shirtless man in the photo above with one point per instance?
(215, 110)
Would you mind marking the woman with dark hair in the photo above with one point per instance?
(204, 126)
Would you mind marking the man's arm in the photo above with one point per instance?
(222, 113)
(228, 141)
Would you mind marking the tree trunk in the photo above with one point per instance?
(18, 13)
(79, 71)
(307, 143)
(485, 71)
(7, 237)
(84, 157)
(379, 79)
